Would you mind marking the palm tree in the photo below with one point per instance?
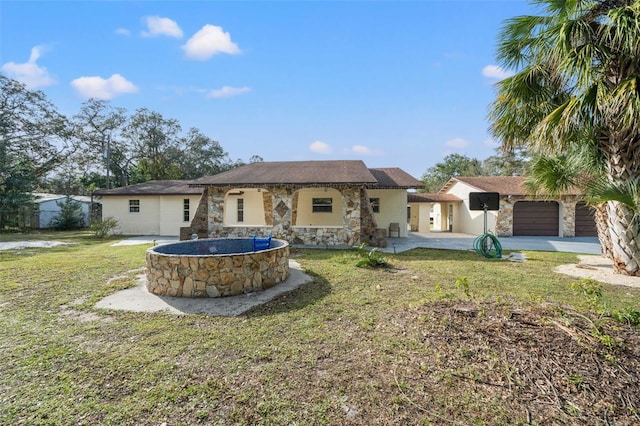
(582, 169)
(578, 82)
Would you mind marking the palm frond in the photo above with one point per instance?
(551, 176)
(602, 191)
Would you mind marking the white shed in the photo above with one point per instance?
(48, 208)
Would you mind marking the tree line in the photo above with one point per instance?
(102, 146)
(514, 162)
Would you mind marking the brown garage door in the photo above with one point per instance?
(585, 223)
(536, 218)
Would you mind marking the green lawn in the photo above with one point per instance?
(440, 337)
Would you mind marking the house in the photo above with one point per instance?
(48, 208)
(327, 203)
(519, 214)
(159, 207)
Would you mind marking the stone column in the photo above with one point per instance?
(568, 207)
(368, 225)
(504, 219)
(216, 212)
(351, 209)
(282, 207)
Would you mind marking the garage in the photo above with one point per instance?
(536, 218)
(585, 224)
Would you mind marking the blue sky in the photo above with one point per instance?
(395, 84)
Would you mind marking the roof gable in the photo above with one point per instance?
(504, 185)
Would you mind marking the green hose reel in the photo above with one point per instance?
(488, 245)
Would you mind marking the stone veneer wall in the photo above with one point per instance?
(369, 227)
(504, 222)
(346, 235)
(280, 216)
(216, 276)
(200, 222)
(569, 216)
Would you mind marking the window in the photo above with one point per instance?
(240, 209)
(322, 205)
(134, 206)
(185, 210)
(375, 204)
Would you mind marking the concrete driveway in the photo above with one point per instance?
(446, 241)
(455, 241)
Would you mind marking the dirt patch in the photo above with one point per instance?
(544, 365)
(600, 269)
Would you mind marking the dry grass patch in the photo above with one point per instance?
(437, 337)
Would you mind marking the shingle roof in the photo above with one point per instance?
(414, 197)
(305, 173)
(395, 177)
(154, 187)
(504, 185)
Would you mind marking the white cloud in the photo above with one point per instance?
(228, 92)
(365, 150)
(457, 143)
(122, 31)
(208, 41)
(361, 149)
(495, 72)
(320, 147)
(100, 88)
(162, 26)
(29, 73)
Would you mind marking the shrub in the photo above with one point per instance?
(372, 258)
(105, 227)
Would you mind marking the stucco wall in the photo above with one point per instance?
(393, 208)
(468, 221)
(159, 215)
(253, 207)
(305, 214)
(419, 220)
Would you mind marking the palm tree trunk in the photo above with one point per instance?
(624, 231)
(602, 226)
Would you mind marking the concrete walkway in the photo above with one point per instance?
(138, 298)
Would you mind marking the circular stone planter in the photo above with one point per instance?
(215, 267)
